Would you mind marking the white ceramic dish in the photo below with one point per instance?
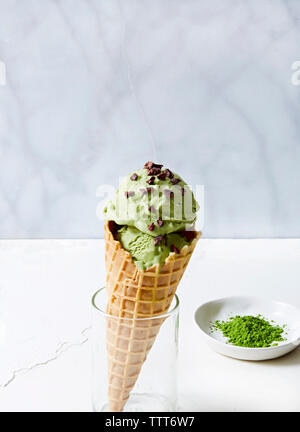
(221, 309)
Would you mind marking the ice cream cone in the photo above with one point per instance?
(135, 294)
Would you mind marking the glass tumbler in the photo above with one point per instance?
(155, 388)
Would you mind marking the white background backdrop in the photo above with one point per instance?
(97, 87)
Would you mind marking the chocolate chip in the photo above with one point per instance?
(174, 249)
(152, 209)
(134, 177)
(114, 228)
(157, 240)
(175, 181)
(151, 227)
(160, 223)
(168, 173)
(168, 193)
(129, 194)
(153, 171)
(149, 165)
(162, 176)
(151, 181)
(188, 235)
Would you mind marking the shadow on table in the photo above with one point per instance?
(290, 359)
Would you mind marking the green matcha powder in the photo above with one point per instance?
(250, 331)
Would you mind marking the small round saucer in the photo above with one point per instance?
(222, 309)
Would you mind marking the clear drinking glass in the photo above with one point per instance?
(156, 387)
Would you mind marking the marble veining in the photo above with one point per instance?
(96, 88)
(46, 288)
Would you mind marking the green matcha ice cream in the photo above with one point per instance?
(155, 210)
(144, 251)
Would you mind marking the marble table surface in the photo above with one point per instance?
(45, 319)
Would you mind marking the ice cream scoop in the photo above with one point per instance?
(147, 252)
(153, 200)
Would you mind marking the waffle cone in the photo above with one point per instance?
(132, 294)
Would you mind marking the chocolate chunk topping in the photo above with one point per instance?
(162, 176)
(157, 240)
(174, 249)
(151, 227)
(175, 181)
(168, 173)
(149, 165)
(151, 181)
(134, 177)
(114, 228)
(129, 194)
(188, 235)
(160, 223)
(153, 171)
(152, 209)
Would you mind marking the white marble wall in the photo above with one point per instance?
(96, 87)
